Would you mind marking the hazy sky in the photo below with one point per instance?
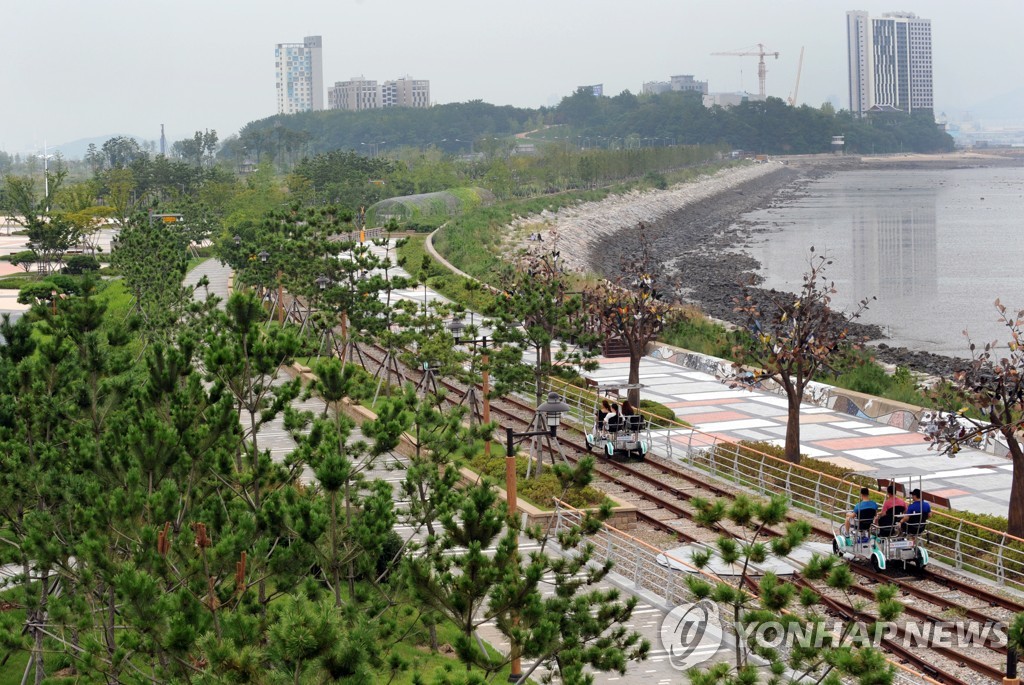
(83, 68)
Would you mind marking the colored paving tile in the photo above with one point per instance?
(881, 430)
(805, 450)
(851, 424)
(813, 432)
(816, 418)
(848, 464)
(720, 395)
(735, 425)
(712, 416)
(948, 492)
(961, 473)
(760, 409)
(873, 441)
(873, 454)
(770, 399)
(707, 403)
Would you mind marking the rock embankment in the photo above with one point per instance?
(583, 232)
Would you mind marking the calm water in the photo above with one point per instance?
(935, 247)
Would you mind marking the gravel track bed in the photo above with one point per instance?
(946, 663)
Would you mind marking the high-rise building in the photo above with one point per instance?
(359, 93)
(405, 92)
(890, 62)
(356, 94)
(300, 75)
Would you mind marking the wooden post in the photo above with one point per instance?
(515, 664)
(280, 298)
(486, 376)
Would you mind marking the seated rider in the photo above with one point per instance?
(892, 508)
(601, 414)
(917, 514)
(614, 421)
(632, 419)
(862, 515)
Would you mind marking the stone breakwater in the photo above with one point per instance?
(583, 233)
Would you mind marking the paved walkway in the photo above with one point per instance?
(972, 481)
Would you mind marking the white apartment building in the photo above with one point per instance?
(890, 62)
(356, 94)
(359, 93)
(682, 83)
(300, 80)
(405, 92)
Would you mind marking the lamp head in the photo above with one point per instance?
(456, 327)
(553, 410)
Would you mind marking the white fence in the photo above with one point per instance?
(953, 540)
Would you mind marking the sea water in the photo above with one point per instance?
(936, 247)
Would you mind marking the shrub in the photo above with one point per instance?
(80, 263)
(25, 259)
(538, 491)
(656, 180)
(656, 411)
(16, 282)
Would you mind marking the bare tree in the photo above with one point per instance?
(632, 308)
(792, 338)
(994, 386)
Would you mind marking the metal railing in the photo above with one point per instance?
(658, 572)
(954, 540)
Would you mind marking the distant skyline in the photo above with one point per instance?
(86, 69)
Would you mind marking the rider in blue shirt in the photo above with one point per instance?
(918, 509)
(865, 504)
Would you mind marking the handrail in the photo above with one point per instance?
(565, 385)
(615, 532)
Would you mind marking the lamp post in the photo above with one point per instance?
(456, 327)
(551, 411)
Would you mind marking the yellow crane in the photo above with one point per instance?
(760, 53)
(796, 88)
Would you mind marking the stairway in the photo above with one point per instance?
(614, 347)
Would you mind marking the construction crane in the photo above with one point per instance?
(761, 53)
(796, 88)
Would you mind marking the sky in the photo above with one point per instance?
(76, 69)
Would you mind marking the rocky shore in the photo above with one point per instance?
(695, 228)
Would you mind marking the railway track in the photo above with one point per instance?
(666, 488)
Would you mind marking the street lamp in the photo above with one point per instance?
(322, 282)
(238, 240)
(456, 327)
(551, 411)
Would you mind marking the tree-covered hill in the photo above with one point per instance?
(450, 127)
(624, 120)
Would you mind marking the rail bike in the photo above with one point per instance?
(616, 436)
(884, 536)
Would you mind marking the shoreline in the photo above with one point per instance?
(696, 225)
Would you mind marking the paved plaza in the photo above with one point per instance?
(972, 481)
